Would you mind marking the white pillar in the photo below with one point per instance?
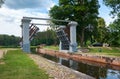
(73, 43)
(25, 34)
(60, 46)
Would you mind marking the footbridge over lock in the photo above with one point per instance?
(30, 29)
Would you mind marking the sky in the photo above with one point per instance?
(12, 11)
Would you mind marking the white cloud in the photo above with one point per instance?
(10, 16)
(26, 4)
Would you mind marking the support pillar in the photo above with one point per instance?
(73, 43)
(25, 34)
(60, 46)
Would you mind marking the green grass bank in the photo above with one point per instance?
(108, 51)
(17, 65)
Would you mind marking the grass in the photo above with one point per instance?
(52, 47)
(108, 51)
(9, 46)
(19, 66)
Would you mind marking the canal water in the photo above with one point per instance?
(96, 70)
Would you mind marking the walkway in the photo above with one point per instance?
(57, 71)
(1, 53)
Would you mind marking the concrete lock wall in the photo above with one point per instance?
(115, 62)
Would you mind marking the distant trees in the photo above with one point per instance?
(47, 37)
(6, 40)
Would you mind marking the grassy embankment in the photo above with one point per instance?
(52, 47)
(108, 51)
(18, 65)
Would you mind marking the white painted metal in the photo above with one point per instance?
(46, 19)
(25, 34)
(73, 43)
(60, 46)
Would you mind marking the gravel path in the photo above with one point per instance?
(57, 71)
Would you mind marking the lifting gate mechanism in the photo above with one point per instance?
(62, 36)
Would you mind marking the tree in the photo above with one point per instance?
(102, 31)
(6, 40)
(101, 22)
(114, 33)
(115, 26)
(84, 12)
(115, 5)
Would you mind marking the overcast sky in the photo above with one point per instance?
(12, 12)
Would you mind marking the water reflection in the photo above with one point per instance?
(97, 72)
(73, 64)
(113, 74)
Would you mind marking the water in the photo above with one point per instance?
(96, 70)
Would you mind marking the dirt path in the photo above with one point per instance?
(1, 53)
(57, 71)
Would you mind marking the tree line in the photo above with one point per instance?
(10, 41)
(47, 37)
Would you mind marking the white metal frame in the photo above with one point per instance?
(25, 32)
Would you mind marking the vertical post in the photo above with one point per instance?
(73, 43)
(25, 34)
(60, 46)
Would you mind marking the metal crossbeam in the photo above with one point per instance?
(46, 19)
(45, 24)
(40, 24)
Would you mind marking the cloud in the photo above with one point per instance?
(12, 12)
(10, 20)
(29, 4)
